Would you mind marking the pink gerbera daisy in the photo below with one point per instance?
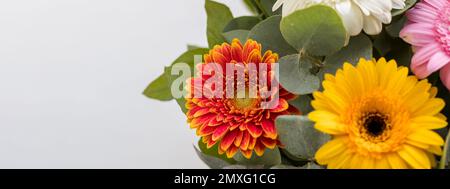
(428, 31)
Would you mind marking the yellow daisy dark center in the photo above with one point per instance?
(375, 126)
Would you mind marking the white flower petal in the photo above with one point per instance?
(351, 16)
(277, 5)
(372, 25)
(398, 4)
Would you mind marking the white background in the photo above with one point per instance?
(71, 77)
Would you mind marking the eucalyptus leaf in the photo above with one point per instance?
(307, 166)
(359, 47)
(285, 167)
(269, 159)
(318, 30)
(299, 136)
(268, 34)
(211, 161)
(312, 165)
(244, 167)
(408, 5)
(296, 75)
(239, 34)
(214, 151)
(242, 23)
(218, 16)
(302, 103)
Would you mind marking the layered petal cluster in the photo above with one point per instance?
(357, 15)
(428, 31)
(379, 117)
(236, 124)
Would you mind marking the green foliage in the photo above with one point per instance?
(318, 30)
(302, 103)
(396, 25)
(359, 47)
(211, 158)
(262, 8)
(239, 34)
(445, 159)
(219, 15)
(269, 159)
(296, 74)
(299, 136)
(269, 35)
(242, 23)
(160, 89)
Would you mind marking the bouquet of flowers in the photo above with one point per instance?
(318, 84)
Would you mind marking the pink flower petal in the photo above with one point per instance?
(421, 71)
(418, 35)
(437, 61)
(437, 4)
(424, 54)
(445, 76)
(418, 15)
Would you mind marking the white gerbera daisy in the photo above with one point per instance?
(357, 15)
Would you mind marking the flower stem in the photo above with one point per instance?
(444, 157)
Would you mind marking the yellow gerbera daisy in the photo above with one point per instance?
(379, 117)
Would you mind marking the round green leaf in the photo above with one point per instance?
(211, 161)
(268, 34)
(242, 23)
(269, 159)
(299, 136)
(302, 103)
(239, 34)
(359, 47)
(307, 166)
(317, 29)
(296, 76)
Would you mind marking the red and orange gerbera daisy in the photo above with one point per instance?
(237, 123)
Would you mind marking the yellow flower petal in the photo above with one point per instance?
(426, 137)
(415, 157)
(330, 150)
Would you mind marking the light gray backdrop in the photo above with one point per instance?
(71, 77)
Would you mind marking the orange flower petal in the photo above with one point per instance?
(254, 130)
(259, 149)
(245, 141)
(220, 132)
(228, 140)
(269, 129)
(269, 143)
(247, 153)
(282, 106)
(232, 151)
